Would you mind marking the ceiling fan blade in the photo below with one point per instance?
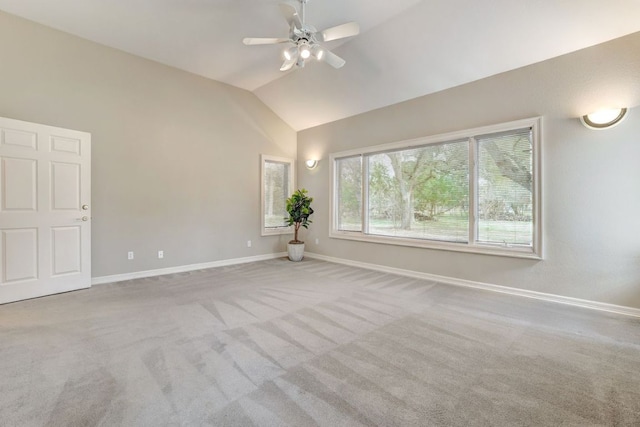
(332, 59)
(258, 40)
(340, 31)
(290, 13)
(288, 64)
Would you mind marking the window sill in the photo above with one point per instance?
(276, 231)
(482, 249)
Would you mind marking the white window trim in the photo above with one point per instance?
(535, 251)
(264, 158)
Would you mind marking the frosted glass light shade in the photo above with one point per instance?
(604, 119)
(290, 53)
(305, 52)
(317, 52)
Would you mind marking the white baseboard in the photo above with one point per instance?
(182, 268)
(594, 305)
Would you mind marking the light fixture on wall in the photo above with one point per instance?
(311, 163)
(604, 119)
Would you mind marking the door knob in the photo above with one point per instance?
(84, 218)
(85, 207)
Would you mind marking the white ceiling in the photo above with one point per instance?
(406, 49)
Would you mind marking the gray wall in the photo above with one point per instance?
(591, 178)
(175, 162)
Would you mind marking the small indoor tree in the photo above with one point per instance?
(299, 210)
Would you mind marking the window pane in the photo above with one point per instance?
(421, 193)
(505, 189)
(276, 191)
(349, 193)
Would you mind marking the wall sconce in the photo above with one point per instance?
(311, 164)
(604, 119)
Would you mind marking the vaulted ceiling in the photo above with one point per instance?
(406, 49)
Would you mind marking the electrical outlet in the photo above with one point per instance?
(248, 243)
(160, 254)
(130, 255)
(317, 241)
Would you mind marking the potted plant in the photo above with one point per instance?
(299, 210)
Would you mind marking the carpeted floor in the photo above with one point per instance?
(278, 343)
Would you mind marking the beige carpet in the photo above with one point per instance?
(277, 343)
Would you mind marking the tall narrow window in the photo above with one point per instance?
(349, 201)
(277, 184)
(505, 188)
(475, 191)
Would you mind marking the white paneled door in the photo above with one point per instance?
(45, 219)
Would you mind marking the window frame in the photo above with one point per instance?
(519, 251)
(264, 158)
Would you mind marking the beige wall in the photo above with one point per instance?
(175, 162)
(591, 178)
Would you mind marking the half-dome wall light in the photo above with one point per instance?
(604, 119)
(311, 164)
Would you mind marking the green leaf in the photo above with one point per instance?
(299, 209)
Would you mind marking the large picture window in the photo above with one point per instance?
(475, 191)
(277, 185)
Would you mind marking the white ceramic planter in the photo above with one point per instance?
(295, 251)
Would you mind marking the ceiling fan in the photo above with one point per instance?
(304, 39)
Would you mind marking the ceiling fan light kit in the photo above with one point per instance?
(305, 39)
(305, 50)
(290, 53)
(317, 52)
